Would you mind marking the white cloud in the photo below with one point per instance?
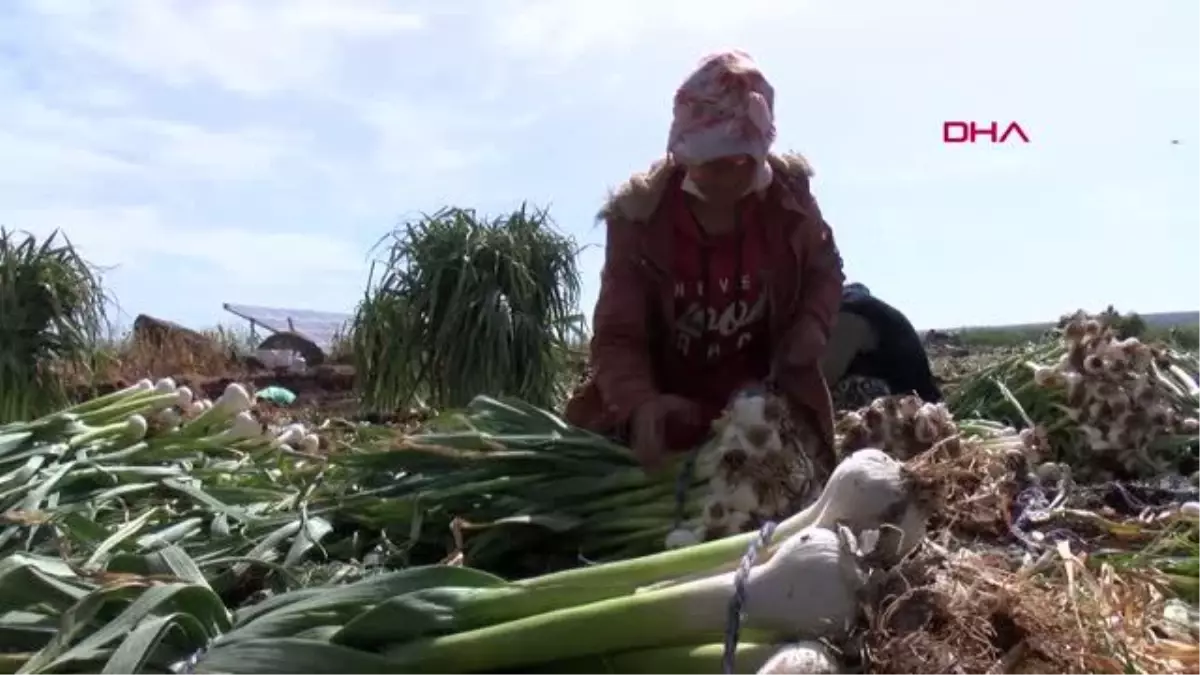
(255, 48)
(413, 141)
(561, 32)
(135, 235)
(187, 149)
(47, 140)
(33, 162)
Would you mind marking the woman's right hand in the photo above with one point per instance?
(649, 427)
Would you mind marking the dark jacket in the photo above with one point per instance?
(899, 358)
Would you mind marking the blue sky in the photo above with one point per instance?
(252, 152)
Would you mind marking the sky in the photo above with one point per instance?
(254, 152)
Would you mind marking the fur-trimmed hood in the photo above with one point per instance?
(637, 198)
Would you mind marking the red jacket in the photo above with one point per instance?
(632, 316)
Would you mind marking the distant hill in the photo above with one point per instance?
(1157, 320)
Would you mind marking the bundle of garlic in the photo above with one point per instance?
(805, 585)
(444, 619)
(901, 425)
(868, 490)
(1130, 405)
(757, 469)
(905, 427)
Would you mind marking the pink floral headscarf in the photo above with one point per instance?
(724, 108)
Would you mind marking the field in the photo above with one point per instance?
(395, 518)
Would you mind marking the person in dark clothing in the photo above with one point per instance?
(875, 351)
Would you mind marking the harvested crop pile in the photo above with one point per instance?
(149, 466)
(145, 531)
(1109, 408)
(1001, 586)
(661, 612)
(1025, 570)
(975, 612)
(146, 604)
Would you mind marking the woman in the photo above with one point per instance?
(875, 351)
(719, 273)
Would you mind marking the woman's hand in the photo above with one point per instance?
(649, 427)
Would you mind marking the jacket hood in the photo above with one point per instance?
(636, 199)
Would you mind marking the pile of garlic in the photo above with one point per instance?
(1123, 395)
(756, 468)
(905, 426)
(902, 426)
(229, 419)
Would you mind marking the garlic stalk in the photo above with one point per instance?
(808, 589)
(244, 426)
(700, 658)
(868, 491)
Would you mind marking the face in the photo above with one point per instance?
(725, 179)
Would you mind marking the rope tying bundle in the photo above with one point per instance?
(733, 621)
